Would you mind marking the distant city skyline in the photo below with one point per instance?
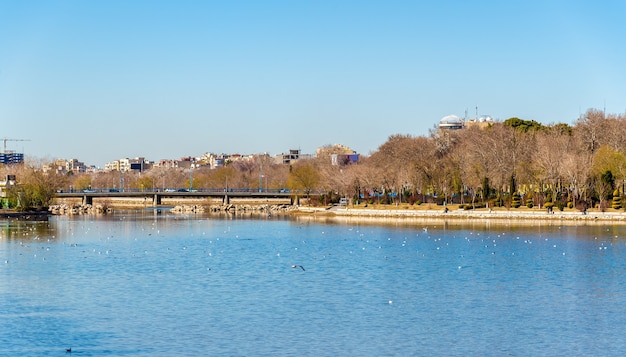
(200, 159)
(100, 81)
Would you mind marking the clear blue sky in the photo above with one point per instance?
(103, 80)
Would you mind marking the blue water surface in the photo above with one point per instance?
(165, 285)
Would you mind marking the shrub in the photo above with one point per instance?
(617, 200)
(413, 199)
(603, 206)
(476, 205)
(516, 200)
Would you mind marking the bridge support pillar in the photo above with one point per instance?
(295, 200)
(226, 199)
(87, 200)
(157, 200)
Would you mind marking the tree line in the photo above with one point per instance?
(511, 163)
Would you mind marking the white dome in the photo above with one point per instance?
(451, 122)
(451, 119)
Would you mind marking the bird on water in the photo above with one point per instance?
(298, 266)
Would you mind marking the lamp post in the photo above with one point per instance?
(190, 177)
(261, 178)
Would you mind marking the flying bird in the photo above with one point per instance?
(298, 266)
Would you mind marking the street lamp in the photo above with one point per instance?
(190, 177)
(261, 178)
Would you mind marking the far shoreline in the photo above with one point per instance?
(377, 212)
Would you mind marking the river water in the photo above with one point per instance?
(163, 285)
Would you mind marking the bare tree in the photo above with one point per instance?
(590, 128)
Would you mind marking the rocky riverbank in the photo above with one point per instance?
(234, 208)
(96, 209)
(65, 209)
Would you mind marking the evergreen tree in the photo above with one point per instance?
(513, 184)
(516, 200)
(486, 189)
(617, 200)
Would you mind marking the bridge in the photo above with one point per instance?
(157, 196)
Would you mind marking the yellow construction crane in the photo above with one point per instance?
(4, 141)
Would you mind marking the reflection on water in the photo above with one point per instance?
(145, 284)
(18, 229)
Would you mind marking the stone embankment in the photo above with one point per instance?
(530, 216)
(65, 209)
